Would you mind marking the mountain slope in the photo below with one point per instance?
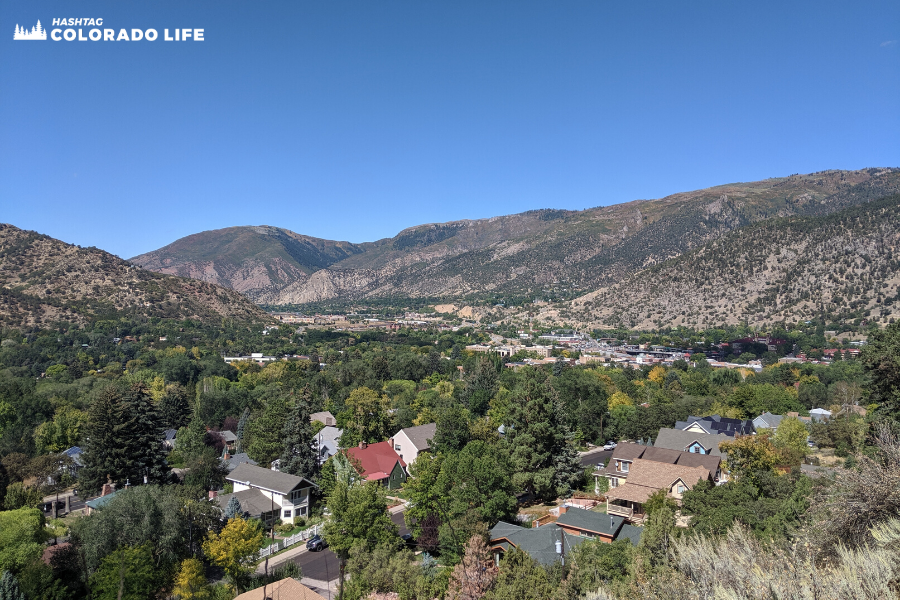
(570, 252)
(44, 280)
(844, 266)
(250, 260)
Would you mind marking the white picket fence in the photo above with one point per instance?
(289, 541)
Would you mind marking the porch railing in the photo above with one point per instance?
(621, 511)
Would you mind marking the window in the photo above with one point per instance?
(397, 447)
(680, 489)
(625, 465)
(287, 514)
(613, 482)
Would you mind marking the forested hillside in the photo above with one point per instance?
(844, 266)
(43, 280)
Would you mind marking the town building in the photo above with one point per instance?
(268, 495)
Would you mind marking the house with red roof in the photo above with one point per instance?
(378, 462)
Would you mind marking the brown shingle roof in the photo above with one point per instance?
(286, 589)
(659, 475)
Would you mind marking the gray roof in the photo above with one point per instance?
(421, 435)
(75, 454)
(719, 424)
(267, 479)
(588, 520)
(169, 434)
(767, 420)
(240, 458)
(675, 439)
(538, 542)
(327, 441)
(253, 502)
(228, 436)
(630, 532)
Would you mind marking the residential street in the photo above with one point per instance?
(321, 568)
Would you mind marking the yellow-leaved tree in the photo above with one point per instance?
(235, 549)
(657, 375)
(619, 399)
(190, 583)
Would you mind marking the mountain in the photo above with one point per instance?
(43, 280)
(255, 261)
(842, 266)
(546, 253)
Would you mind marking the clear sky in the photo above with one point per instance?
(351, 120)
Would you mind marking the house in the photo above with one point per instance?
(690, 441)
(324, 417)
(232, 461)
(618, 470)
(379, 462)
(767, 421)
(107, 493)
(409, 442)
(327, 442)
(550, 543)
(285, 589)
(268, 495)
(717, 424)
(647, 477)
(228, 438)
(75, 454)
(169, 439)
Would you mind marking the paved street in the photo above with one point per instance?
(595, 458)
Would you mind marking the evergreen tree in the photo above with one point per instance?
(9, 587)
(241, 428)
(174, 408)
(233, 509)
(190, 439)
(104, 448)
(481, 385)
(142, 438)
(300, 456)
(544, 463)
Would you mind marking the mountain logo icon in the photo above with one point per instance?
(37, 33)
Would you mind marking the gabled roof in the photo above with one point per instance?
(325, 417)
(660, 475)
(587, 520)
(75, 454)
(676, 439)
(420, 435)
(377, 460)
(267, 479)
(253, 502)
(767, 420)
(630, 532)
(228, 436)
(632, 452)
(538, 542)
(239, 458)
(286, 589)
(719, 424)
(169, 434)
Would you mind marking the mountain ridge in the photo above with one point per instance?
(568, 252)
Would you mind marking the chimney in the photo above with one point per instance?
(363, 445)
(391, 442)
(107, 490)
(562, 510)
(213, 494)
(226, 456)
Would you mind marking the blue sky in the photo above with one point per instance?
(351, 120)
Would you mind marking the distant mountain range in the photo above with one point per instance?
(544, 253)
(43, 280)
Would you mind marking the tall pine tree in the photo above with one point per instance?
(300, 455)
(545, 463)
(104, 447)
(143, 438)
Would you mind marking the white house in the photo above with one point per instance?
(409, 442)
(268, 495)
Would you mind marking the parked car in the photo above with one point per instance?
(609, 446)
(408, 540)
(316, 543)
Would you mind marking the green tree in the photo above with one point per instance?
(538, 440)
(141, 436)
(21, 538)
(264, 431)
(174, 407)
(126, 574)
(63, 432)
(593, 563)
(190, 439)
(452, 430)
(235, 550)
(300, 456)
(9, 587)
(18, 495)
(881, 358)
(423, 490)
(481, 385)
(751, 455)
(368, 417)
(478, 479)
(791, 438)
(657, 537)
(104, 449)
(520, 578)
(359, 518)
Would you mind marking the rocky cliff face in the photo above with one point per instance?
(572, 252)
